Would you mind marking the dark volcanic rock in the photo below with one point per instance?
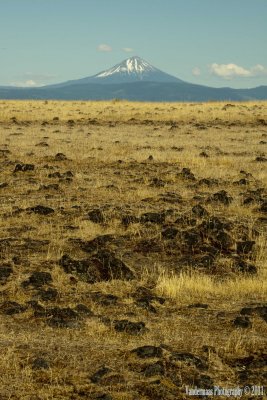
(11, 308)
(245, 247)
(60, 157)
(103, 266)
(63, 318)
(129, 219)
(132, 328)
(144, 297)
(200, 211)
(171, 197)
(192, 237)
(223, 240)
(98, 375)
(261, 159)
(104, 299)
(148, 351)
(42, 210)
(112, 267)
(263, 207)
(170, 232)
(208, 182)
(5, 271)
(244, 266)
(24, 167)
(198, 305)
(242, 322)
(48, 295)
(38, 279)
(157, 182)
(205, 382)
(96, 216)
(95, 244)
(156, 368)
(189, 358)
(40, 363)
(258, 310)
(84, 310)
(153, 217)
(214, 224)
(3, 185)
(221, 197)
(187, 174)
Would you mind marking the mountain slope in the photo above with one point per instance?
(133, 69)
(137, 91)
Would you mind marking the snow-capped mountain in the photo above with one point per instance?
(133, 69)
(133, 79)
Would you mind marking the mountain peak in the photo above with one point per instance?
(132, 69)
(133, 65)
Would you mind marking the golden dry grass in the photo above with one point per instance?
(107, 147)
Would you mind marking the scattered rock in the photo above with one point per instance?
(132, 328)
(156, 368)
(223, 240)
(153, 217)
(96, 244)
(203, 154)
(23, 167)
(188, 358)
(169, 233)
(148, 351)
(205, 382)
(187, 174)
(96, 216)
(11, 308)
(42, 210)
(103, 266)
(104, 299)
(192, 237)
(157, 182)
(63, 318)
(245, 247)
(38, 279)
(208, 181)
(40, 363)
(200, 211)
(171, 197)
(198, 305)
(104, 396)
(5, 271)
(48, 295)
(98, 375)
(242, 321)
(214, 224)
(60, 157)
(244, 267)
(3, 185)
(263, 207)
(221, 197)
(241, 182)
(126, 220)
(84, 310)
(261, 159)
(52, 186)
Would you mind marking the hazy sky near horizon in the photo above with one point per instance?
(210, 42)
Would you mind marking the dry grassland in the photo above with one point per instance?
(126, 225)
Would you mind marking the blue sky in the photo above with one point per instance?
(211, 42)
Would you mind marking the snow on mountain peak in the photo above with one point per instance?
(133, 65)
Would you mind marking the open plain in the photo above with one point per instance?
(133, 257)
